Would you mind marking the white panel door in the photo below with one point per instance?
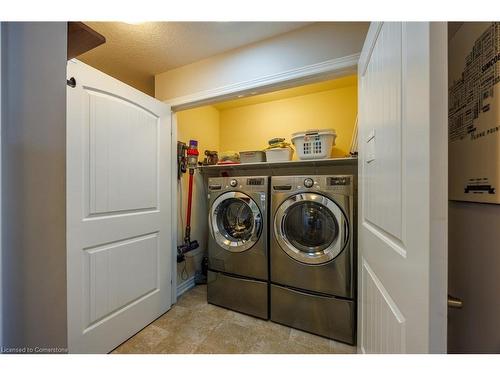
(119, 237)
(402, 139)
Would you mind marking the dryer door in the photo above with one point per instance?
(235, 221)
(311, 228)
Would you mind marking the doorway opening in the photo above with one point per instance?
(246, 122)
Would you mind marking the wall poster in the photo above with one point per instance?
(474, 113)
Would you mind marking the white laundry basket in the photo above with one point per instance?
(314, 144)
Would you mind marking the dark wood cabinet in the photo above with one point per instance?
(82, 38)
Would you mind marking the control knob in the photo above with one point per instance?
(233, 183)
(308, 182)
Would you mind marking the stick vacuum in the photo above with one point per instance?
(192, 163)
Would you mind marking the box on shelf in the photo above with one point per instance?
(252, 157)
(279, 154)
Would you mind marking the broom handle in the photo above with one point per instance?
(190, 197)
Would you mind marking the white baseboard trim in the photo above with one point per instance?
(185, 286)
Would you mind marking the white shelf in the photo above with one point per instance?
(281, 164)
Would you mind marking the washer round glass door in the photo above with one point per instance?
(235, 221)
(311, 228)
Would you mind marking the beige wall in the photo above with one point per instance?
(201, 124)
(474, 256)
(312, 44)
(473, 276)
(33, 184)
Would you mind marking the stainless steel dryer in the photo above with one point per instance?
(312, 254)
(237, 247)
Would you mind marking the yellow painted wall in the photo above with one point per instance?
(250, 127)
(201, 124)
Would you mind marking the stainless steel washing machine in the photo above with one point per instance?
(238, 273)
(312, 254)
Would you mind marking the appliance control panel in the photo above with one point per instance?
(340, 184)
(257, 181)
(214, 187)
(251, 183)
(338, 181)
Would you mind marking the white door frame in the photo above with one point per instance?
(174, 207)
(329, 69)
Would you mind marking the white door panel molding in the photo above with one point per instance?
(403, 188)
(119, 232)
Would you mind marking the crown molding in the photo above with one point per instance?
(307, 74)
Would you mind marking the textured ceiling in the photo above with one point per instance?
(135, 53)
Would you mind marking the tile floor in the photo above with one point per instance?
(194, 326)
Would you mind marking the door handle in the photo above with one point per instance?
(454, 302)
